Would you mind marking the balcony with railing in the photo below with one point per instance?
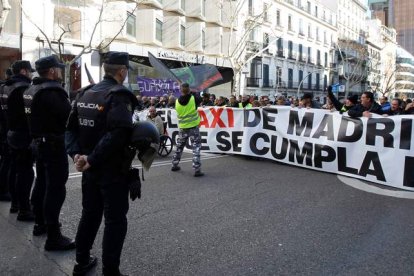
(389, 33)
(292, 56)
(280, 53)
(303, 86)
(252, 82)
(281, 84)
(267, 84)
(308, 10)
(154, 3)
(302, 57)
(319, 63)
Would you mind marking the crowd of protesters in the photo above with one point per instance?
(356, 106)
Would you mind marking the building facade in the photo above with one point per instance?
(397, 14)
(404, 86)
(261, 47)
(382, 47)
(380, 10)
(180, 33)
(298, 37)
(351, 53)
(10, 41)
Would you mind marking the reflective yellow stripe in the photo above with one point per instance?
(247, 105)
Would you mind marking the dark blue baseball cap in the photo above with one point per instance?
(9, 72)
(48, 62)
(117, 58)
(21, 64)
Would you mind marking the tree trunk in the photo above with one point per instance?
(236, 82)
(67, 79)
(346, 88)
(4, 12)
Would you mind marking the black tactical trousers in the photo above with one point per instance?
(52, 170)
(22, 161)
(104, 192)
(4, 168)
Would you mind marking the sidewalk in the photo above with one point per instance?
(22, 254)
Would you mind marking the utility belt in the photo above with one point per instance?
(18, 139)
(50, 139)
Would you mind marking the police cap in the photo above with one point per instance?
(117, 58)
(48, 62)
(21, 64)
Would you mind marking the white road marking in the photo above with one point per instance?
(363, 186)
(204, 156)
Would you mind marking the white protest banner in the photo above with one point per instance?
(377, 149)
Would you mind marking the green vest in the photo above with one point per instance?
(249, 105)
(187, 114)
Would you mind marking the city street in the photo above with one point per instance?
(244, 217)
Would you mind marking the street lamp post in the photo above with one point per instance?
(277, 81)
(301, 82)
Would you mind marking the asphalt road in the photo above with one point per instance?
(244, 217)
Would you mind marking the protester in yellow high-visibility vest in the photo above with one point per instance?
(245, 103)
(351, 101)
(188, 121)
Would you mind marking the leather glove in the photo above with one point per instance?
(134, 183)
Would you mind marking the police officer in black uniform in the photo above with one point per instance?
(4, 150)
(99, 130)
(18, 137)
(47, 109)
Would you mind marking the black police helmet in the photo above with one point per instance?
(146, 139)
(144, 134)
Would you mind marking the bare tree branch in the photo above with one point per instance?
(354, 57)
(60, 39)
(120, 30)
(237, 55)
(68, 28)
(4, 13)
(38, 28)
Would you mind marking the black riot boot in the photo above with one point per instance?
(14, 208)
(40, 229)
(5, 197)
(25, 215)
(56, 241)
(111, 272)
(84, 264)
